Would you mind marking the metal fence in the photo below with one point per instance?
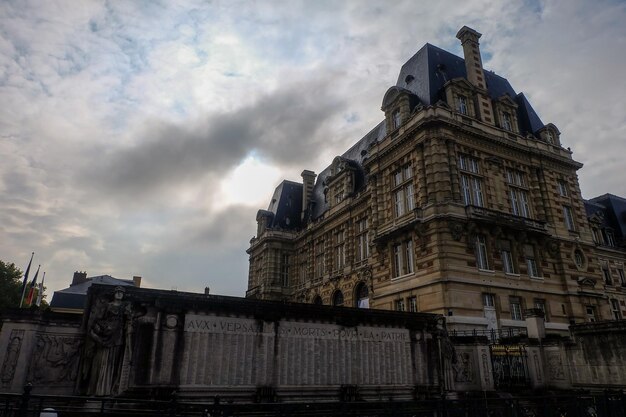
(606, 404)
(494, 336)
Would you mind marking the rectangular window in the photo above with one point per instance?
(622, 277)
(591, 313)
(617, 312)
(515, 304)
(319, 259)
(399, 202)
(518, 194)
(462, 104)
(340, 258)
(409, 259)
(531, 262)
(506, 121)
(403, 258)
(541, 305)
(568, 218)
(471, 183)
(362, 245)
(397, 119)
(562, 186)
(519, 202)
(481, 253)
(413, 304)
(489, 300)
(303, 270)
(596, 236)
(507, 261)
(284, 270)
(400, 305)
(403, 193)
(610, 239)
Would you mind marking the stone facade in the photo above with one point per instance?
(461, 203)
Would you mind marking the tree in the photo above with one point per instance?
(10, 285)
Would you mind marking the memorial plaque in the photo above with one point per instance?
(226, 351)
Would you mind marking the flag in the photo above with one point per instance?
(40, 293)
(26, 279)
(32, 289)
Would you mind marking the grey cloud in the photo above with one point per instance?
(286, 127)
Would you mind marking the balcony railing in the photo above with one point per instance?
(505, 219)
(398, 224)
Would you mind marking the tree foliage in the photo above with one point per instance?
(10, 285)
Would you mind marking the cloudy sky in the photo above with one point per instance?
(141, 137)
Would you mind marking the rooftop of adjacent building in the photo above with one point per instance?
(73, 298)
(610, 211)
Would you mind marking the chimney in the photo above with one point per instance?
(137, 281)
(308, 180)
(79, 278)
(475, 73)
(207, 291)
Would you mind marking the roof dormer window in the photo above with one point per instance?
(396, 119)
(461, 105)
(550, 137)
(506, 121)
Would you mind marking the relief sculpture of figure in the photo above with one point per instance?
(104, 347)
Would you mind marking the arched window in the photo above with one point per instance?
(338, 298)
(361, 296)
(318, 300)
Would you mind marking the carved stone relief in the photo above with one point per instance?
(11, 357)
(555, 367)
(463, 367)
(55, 360)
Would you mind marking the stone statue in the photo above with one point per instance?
(104, 347)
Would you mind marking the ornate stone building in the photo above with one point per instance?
(460, 202)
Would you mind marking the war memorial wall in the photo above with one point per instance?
(144, 343)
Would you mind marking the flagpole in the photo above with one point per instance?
(26, 279)
(40, 294)
(32, 288)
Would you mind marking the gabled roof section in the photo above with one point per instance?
(286, 205)
(357, 153)
(615, 213)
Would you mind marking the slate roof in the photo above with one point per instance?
(424, 75)
(75, 296)
(614, 210)
(426, 72)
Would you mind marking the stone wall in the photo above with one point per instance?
(148, 343)
(597, 358)
(40, 348)
(206, 346)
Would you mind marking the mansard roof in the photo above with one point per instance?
(286, 205)
(426, 73)
(614, 212)
(423, 78)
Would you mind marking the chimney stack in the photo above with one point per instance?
(79, 278)
(308, 181)
(475, 73)
(137, 281)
